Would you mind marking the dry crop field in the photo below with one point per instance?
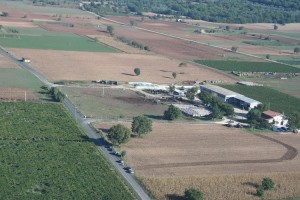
(68, 65)
(175, 156)
(12, 94)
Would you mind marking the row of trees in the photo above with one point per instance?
(119, 134)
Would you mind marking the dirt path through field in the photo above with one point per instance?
(289, 155)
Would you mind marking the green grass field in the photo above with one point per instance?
(112, 103)
(245, 66)
(18, 78)
(45, 155)
(60, 42)
(278, 101)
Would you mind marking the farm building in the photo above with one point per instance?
(193, 111)
(276, 118)
(230, 96)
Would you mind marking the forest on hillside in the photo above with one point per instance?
(228, 11)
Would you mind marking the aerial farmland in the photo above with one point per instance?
(73, 74)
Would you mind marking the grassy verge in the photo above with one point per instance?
(45, 155)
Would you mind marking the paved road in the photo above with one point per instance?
(85, 124)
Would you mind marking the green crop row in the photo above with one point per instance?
(66, 166)
(244, 66)
(278, 101)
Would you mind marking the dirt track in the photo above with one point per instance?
(289, 155)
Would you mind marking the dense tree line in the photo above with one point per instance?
(234, 11)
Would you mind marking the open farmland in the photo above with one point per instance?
(233, 187)
(6, 63)
(175, 156)
(18, 78)
(112, 103)
(28, 7)
(278, 101)
(53, 158)
(243, 66)
(173, 47)
(68, 42)
(114, 66)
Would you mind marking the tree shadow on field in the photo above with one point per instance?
(157, 117)
(128, 74)
(97, 142)
(174, 197)
(167, 77)
(162, 70)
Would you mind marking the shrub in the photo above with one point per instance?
(267, 184)
(137, 71)
(260, 191)
(193, 194)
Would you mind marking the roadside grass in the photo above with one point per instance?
(18, 78)
(45, 155)
(266, 43)
(109, 103)
(68, 42)
(239, 186)
(244, 66)
(278, 101)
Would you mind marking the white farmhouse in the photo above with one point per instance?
(277, 119)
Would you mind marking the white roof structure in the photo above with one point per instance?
(219, 90)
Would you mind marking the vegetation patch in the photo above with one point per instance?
(244, 66)
(44, 155)
(278, 101)
(52, 41)
(18, 78)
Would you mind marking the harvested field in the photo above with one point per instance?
(111, 66)
(110, 41)
(17, 24)
(109, 103)
(172, 47)
(233, 187)
(12, 94)
(6, 63)
(258, 50)
(174, 149)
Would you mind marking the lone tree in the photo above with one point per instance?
(275, 27)
(171, 88)
(296, 50)
(193, 194)
(267, 184)
(174, 74)
(234, 49)
(137, 71)
(141, 125)
(172, 113)
(268, 56)
(119, 134)
(110, 30)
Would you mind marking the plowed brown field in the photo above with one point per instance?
(68, 65)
